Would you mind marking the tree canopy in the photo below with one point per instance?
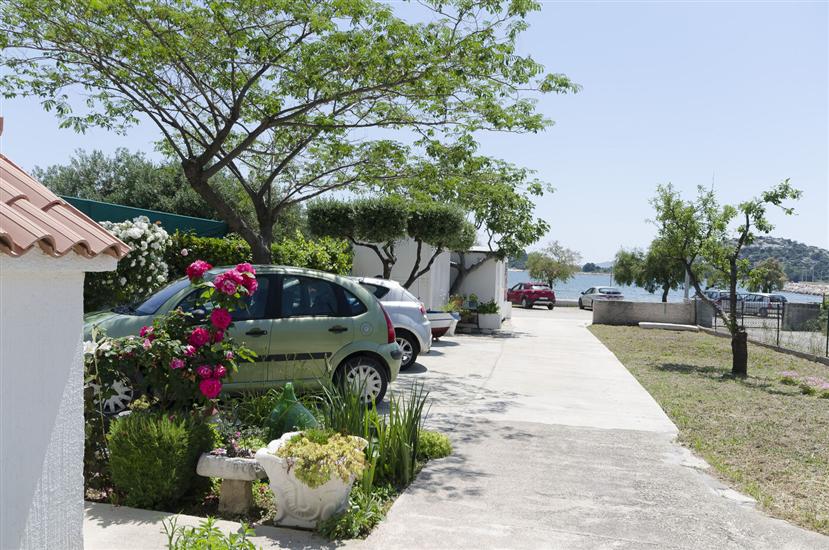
(702, 231)
(766, 276)
(653, 270)
(553, 263)
(277, 93)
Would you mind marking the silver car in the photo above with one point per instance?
(411, 326)
(599, 293)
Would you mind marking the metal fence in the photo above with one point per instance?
(794, 326)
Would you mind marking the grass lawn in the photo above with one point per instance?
(765, 438)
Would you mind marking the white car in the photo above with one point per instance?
(599, 293)
(412, 328)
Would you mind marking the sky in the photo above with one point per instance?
(699, 93)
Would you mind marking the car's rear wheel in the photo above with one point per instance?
(408, 344)
(764, 312)
(525, 304)
(581, 305)
(550, 306)
(366, 375)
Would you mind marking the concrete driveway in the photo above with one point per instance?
(558, 446)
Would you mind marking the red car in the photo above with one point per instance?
(530, 294)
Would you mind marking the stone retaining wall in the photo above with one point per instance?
(632, 313)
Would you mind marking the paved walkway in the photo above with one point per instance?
(557, 446)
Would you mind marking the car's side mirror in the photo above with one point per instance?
(582, 292)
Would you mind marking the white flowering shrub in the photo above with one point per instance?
(139, 273)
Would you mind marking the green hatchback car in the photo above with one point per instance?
(307, 327)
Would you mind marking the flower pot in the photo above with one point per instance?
(297, 504)
(489, 321)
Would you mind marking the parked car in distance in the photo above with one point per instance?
(411, 325)
(307, 327)
(763, 304)
(599, 293)
(722, 298)
(530, 294)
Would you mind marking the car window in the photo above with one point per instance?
(308, 297)
(378, 290)
(589, 290)
(517, 287)
(540, 287)
(609, 291)
(151, 304)
(255, 306)
(353, 305)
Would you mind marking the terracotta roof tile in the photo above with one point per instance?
(31, 215)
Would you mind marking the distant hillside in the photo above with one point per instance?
(801, 261)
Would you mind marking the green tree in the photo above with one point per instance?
(443, 227)
(375, 223)
(702, 230)
(653, 270)
(278, 95)
(766, 276)
(126, 178)
(590, 267)
(554, 263)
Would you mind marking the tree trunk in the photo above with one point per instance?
(665, 290)
(739, 353)
(463, 271)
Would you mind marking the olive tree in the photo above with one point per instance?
(703, 231)
(279, 95)
(553, 263)
(653, 270)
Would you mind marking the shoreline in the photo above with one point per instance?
(813, 289)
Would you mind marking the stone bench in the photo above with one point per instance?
(237, 475)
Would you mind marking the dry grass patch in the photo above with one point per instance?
(766, 438)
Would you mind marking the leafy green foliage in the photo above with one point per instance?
(325, 254)
(129, 179)
(488, 307)
(316, 456)
(153, 456)
(207, 536)
(433, 445)
(365, 510)
(277, 95)
(651, 270)
(766, 276)
(553, 263)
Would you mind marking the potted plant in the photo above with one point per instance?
(311, 474)
(489, 316)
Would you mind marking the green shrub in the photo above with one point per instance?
(254, 407)
(153, 456)
(187, 247)
(433, 445)
(325, 254)
(206, 537)
(488, 307)
(365, 510)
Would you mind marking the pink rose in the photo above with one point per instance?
(197, 269)
(220, 318)
(184, 252)
(220, 372)
(210, 387)
(189, 351)
(218, 336)
(245, 268)
(204, 372)
(199, 337)
(177, 363)
(229, 355)
(228, 282)
(250, 283)
(147, 343)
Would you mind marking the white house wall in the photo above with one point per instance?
(488, 282)
(431, 288)
(41, 399)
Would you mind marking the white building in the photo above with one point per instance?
(488, 281)
(46, 246)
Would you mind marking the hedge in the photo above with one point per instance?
(325, 254)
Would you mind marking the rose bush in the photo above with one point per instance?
(180, 360)
(139, 273)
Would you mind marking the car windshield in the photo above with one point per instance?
(609, 291)
(151, 304)
(540, 287)
(378, 290)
